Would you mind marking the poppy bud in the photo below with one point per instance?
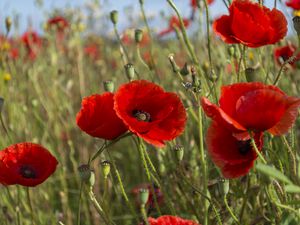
(225, 186)
(296, 22)
(106, 168)
(173, 63)
(114, 16)
(8, 23)
(250, 74)
(144, 196)
(179, 150)
(138, 35)
(196, 81)
(141, 2)
(129, 69)
(1, 103)
(84, 172)
(92, 179)
(108, 85)
(231, 51)
(185, 70)
(213, 76)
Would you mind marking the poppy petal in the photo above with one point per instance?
(222, 28)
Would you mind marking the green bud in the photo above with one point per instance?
(173, 63)
(144, 196)
(250, 74)
(92, 179)
(85, 172)
(213, 76)
(296, 23)
(179, 150)
(130, 72)
(185, 70)
(196, 81)
(141, 2)
(114, 16)
(106, 168)
(231, 51)
(8, 23)
(225, 186)
(138, 35)
(108, 85)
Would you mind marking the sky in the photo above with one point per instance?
(31, 13)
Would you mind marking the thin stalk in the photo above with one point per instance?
(230, 210)
(257, 151)
(79, 203)
(32, 215)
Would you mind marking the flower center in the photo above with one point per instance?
(141, 115)
(244, 147)
(27, 172)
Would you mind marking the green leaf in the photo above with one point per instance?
(292, 188)
(272, 172)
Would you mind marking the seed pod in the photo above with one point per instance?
(114, 15)
(108, 85)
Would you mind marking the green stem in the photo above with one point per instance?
(230, 210)
(30, 206)
(144, 214)
(257, 151)
(79, 203)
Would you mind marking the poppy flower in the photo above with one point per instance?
(245, 107)
(92, 51)
(32, 42)
(98, 118)
(150, 112)
(193, 3)
(151, 201)
(294, 4)
(251, 24)
(281, 54)
(27, 164)
(174, 22)
(59, 23)
(168, 220)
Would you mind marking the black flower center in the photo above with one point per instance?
(28, 172)
(141, 115)
(244, 147)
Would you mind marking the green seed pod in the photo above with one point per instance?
(114, 15)
(130, 72)
(92, 179)
(144, 196)
(250, 74)
(109, 86)
(84, 172)
(213, 76)
(173, 63)
(296, 23)
(138, 35)
(141, 2)
(179, 151)
(231, 51)
(106, 168)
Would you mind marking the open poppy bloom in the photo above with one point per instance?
(58, 23)
(150, 112)
(251, 24)
(32, 42)
(243, 108)
(281, 54)
(174, 22)
(294, 4)
(98, 118)
(170, 220)
(27, 164)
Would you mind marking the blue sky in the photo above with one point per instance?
(29, 12)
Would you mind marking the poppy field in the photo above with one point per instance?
(192, 121)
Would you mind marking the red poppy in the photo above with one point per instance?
(59, 23)
(174, 22)
(8, 45)
(151, 201)
(170, 220)
(27, 164)
(246, 107)
(282, 54)
(32, 42)
(98, 118)
(92, 51)
(150, 112)
(294, 4)
(251, 24)
(234, 157)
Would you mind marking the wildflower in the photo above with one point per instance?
(150, 112)
(251, 24)
(281, 54)
(174, 220)
(174, 22)
(98, 118)
(58, 23)
(26, 164)
(294, 4)
(32, 43)
(246, 107)
(92, 51)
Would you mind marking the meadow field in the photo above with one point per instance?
(192, 120)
